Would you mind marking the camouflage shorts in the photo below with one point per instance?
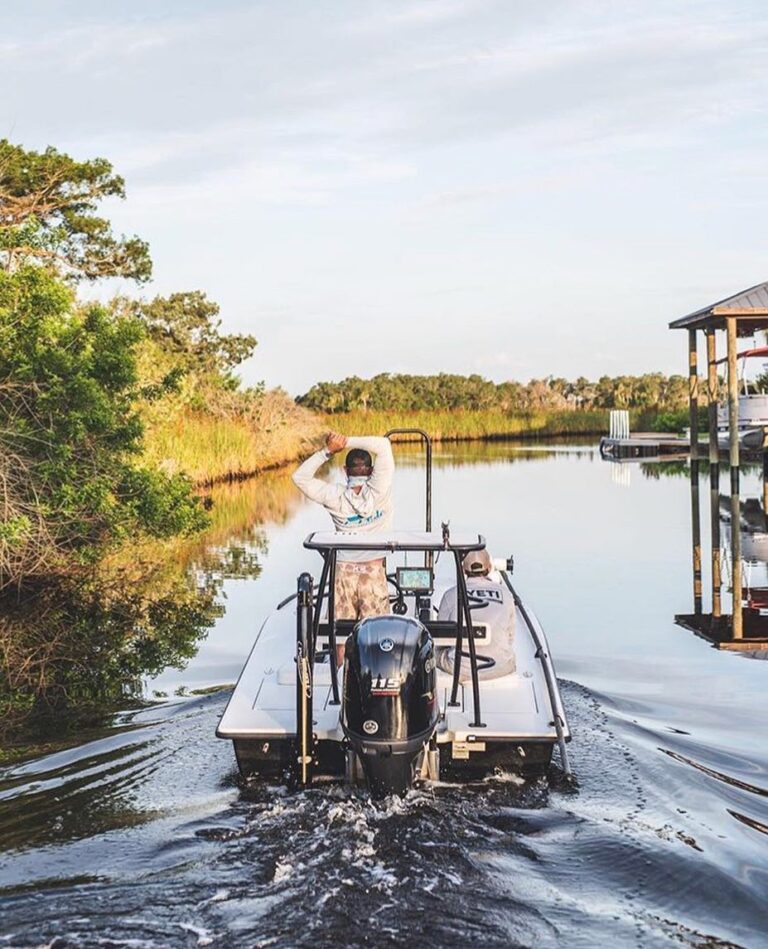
(360, 590)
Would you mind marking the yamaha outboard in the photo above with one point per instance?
(390, 705)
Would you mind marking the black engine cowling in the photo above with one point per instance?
(390, 703)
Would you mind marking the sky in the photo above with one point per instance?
(505, 187)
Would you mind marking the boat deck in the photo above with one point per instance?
(263, 704)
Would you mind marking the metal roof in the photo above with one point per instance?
(746, 354)
(749, 307)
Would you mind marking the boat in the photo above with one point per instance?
(753, 408)
(392, 716)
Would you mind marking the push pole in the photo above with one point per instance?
(304, 661)
(733, 437)
(693, 411)
(332, 563)
(714, 470)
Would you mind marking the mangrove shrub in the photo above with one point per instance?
(71, 474)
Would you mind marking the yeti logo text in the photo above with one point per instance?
(487, 594)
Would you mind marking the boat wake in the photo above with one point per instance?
(145, 837)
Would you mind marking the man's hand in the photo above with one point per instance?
(335, 442)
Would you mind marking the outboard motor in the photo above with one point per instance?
(390, 703)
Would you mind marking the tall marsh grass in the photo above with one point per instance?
(212, 447)
(465, 425)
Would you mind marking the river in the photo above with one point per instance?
(138, 832)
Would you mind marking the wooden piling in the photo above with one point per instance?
(714, 472)
(693, 394)
(693, 414)
(733, 436)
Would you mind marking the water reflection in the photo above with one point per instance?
(664, 843)
(737, 552)
(82, 648)
(501, 452)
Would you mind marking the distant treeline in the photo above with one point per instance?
(409, 393)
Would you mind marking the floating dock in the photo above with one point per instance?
(622, 445)
(644, 445)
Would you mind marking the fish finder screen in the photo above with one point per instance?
(414, 579)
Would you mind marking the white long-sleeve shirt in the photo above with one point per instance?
(369, 511)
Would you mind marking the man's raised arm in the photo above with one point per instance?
(315, 488)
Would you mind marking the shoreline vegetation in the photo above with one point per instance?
(116, 418)
(230, 442)
(459, 425)
(211, 449)
(109, 412)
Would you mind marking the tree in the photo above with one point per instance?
(48, 215)
(407, 393)
(70, 434)
(187, 326)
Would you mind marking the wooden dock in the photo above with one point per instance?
(718, 630)
(644, 445)
(665, 446)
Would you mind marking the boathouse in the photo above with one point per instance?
(737, 316)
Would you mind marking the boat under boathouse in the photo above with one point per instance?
(741, 423)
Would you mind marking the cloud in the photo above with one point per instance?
(413, 14)
(415, 163)
(397, 76)
(82, 47)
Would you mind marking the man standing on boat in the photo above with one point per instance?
(361, 506)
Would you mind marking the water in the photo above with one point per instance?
(139, 833)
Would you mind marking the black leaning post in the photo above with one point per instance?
(320, 596)
(428, 443)
(430, 557)
(332, 624)
(465, 609)
(304, 661)
(459, 632)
